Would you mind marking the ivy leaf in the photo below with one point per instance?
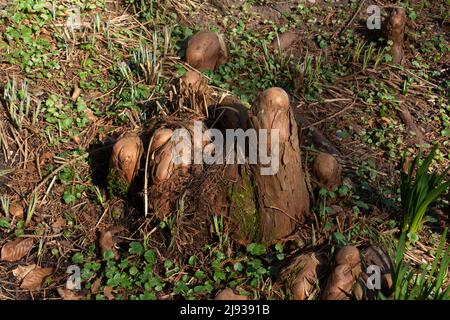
(69, 197)
(108, 255)
(150, 257)
(256, 249)
(446, 133)
(136, 248)
(4, 223)
(78, 258)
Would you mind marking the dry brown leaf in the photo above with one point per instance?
(95, 286)
(107, 291)
(90, 115)
(67, 294)
(106, 240)
(34, 279)
(17, 249)
(58, 224)
(228, 294)
(16, 210)
(21, 271)
(46, 156)
(76, 93)
(284, 41)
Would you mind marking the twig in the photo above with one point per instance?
(330, 117)
(146, 178)
(49, 188)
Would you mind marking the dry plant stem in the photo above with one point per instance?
(283, 198)
(146, 177)
(338, 113)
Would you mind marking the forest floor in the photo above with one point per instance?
(67, 94)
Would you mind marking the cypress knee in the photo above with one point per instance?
(283, 198)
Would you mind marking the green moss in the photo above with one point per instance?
(117, 186)
(243, 208)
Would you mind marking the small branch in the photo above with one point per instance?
(330, 117)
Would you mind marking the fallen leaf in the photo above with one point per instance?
(33, 280)
(58, 224)
(90, 115)
(106, 241)
(107, 291)
(67, 294)
(16, 210)
(17, 249)
(45, 157)
(95, 286)
(21, 271)
(386, 120)
(76, 139)
(76, 93)
(228, 294)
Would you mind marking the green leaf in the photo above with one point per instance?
(136, 248)
(69, 197)
(133, 270)
(150, 257)
(78, 258)
(4, 223)
(192, 260)
(238, 266)
(200, 274)
(168, 264)
(108, 255)
(256, 249)
(279, 247)
(339, 238)
(219, 276)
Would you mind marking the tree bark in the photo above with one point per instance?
(283, 198)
